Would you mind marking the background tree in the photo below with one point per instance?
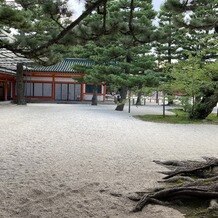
(190, 77)
(121, 55)
(170, 38)
(38, 25)
(201, 23)
(170, 41)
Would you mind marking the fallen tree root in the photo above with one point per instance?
(191, 185)
(174, 193)
(208, 166)
(187, 168)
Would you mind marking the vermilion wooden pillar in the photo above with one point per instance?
(6, 90)
(104, 92)
(53, 87)
(82, 91)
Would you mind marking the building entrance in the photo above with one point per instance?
(67, 92)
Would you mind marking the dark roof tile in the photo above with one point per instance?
(65, 66)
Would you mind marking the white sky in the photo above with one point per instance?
(77, 5)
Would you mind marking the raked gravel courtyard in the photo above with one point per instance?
(62, 160)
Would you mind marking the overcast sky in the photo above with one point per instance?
(77, 5)
(157, 4)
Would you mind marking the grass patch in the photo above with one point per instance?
(180, 117)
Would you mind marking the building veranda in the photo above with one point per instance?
(56, 83)
(7, 84)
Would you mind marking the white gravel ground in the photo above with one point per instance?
(61, 161)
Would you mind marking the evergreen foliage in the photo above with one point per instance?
(170, 38)
(121, 56)
(199, 19)
(39, 26)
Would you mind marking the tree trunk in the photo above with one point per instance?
(203, 108)
(157, 97)
(122, 101)
(123, 91)
(138, 101)
(95, 97)
(170, 100)
(20, 85)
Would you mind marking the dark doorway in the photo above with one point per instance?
(2, 93)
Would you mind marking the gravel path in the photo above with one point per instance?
(72, 160)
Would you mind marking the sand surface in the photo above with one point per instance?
(59, 161)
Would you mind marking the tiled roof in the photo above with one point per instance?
(7, 71)
(65, 66)
(9, 60)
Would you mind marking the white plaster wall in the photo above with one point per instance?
(102, 89)
(45, 79)
(65, 80)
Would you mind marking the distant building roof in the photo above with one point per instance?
(7, 71)
(9, 60)
(65, 66)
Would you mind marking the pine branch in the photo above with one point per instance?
(56, 21)
(70, 27)
(131, 28)
(33, 53)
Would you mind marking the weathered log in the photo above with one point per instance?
(175, 164)
(207, 166)
(203, 182)
(177, 179)
(208, 159)
(169, 163)
(175, 193)
(192, 180)
(189, 167)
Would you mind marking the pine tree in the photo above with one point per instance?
(169, 45)
(199, 17)
(39, 25)
(121, 56)
(203, 13)
(170, 40)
